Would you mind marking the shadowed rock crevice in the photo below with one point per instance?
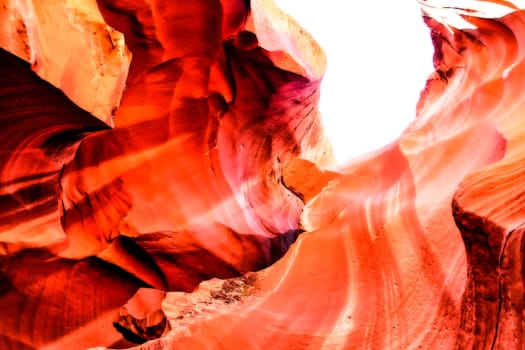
(482, 296)
(492, 307)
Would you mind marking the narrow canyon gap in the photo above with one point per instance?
(375, 50)
(164, 183)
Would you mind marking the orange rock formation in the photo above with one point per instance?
(186, 203)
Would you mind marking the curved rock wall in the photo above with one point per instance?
(204, 216)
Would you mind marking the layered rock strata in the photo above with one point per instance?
(197, 206)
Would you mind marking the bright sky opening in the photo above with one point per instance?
(379, 57)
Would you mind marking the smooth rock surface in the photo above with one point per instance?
(207, 217)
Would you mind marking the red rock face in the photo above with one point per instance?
(199, 214)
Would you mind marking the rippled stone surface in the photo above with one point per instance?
(202, 213)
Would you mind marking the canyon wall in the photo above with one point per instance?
(165, 183)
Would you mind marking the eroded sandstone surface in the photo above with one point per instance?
(165, 183)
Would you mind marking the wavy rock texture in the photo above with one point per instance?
(206, 217)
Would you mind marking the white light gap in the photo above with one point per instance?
(379, 57)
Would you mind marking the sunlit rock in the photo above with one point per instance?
(212, 216)
(68, 43)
